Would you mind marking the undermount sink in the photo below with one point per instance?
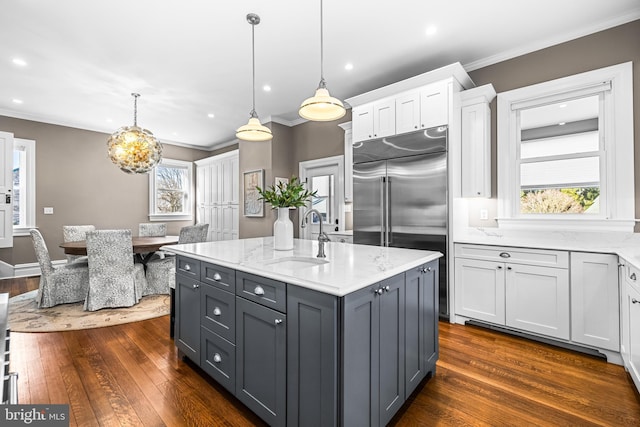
(295, 262)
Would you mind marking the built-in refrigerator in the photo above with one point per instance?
(400, 195)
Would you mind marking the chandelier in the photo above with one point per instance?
(133, 149)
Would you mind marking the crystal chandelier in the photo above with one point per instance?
(133, 149)
(253, 130)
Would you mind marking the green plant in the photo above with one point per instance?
(291, 194)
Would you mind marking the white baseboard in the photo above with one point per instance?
(29, 269)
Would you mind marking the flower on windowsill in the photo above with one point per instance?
(291, 194)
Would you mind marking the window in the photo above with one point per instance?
(24, 186)
(565, 153)
(171, 187)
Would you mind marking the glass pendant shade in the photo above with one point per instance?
(254, 131)
(322, 107)
(134, 149)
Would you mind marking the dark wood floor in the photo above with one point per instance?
(131, 375)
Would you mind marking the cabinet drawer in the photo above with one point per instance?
(218, 311)
(632, 276)
(541, 257)
(188, 267)
(218, 358)
(218, 276)
(267, 292)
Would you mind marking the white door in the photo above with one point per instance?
(6, 187)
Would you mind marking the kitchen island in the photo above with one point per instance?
(301, 340)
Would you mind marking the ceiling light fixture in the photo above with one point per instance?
(321, 107)
(133, 149)
(19, 62)
(253, 130)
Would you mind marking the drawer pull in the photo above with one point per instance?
(258, 290)
(217, 358)
(633, 276)
(634, 301)
(217, 311)
(196, 286)
(505, 254)
(278, 321)
(187, 267)
(386, 288)
(217, 277)
(378, 291)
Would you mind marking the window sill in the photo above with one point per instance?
(22, 231)
(169, 217)
(566, 224)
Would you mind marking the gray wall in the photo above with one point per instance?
(76, 178)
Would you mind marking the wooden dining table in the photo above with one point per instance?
(143, 247)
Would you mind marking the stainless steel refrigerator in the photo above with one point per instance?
(400, 195)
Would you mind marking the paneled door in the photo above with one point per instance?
(6, 186)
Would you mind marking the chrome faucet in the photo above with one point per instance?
(322, 236)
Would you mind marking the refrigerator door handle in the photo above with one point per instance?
(388, 231)
(382, 211)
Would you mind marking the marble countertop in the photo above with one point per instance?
(625, 245)
(349, 267)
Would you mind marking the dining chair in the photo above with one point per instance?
(75, 233)
(161, 271)
(58, 285)
(153, 229)
(114, 279)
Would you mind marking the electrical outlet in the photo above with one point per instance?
(48, 211)
(484, 214)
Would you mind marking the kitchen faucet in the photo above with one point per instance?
(322, 236)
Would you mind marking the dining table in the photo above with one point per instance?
(143, 247)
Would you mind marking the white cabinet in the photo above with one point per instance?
(630, 346)
(476, 141)
(434, 105)
(348, 161)
(375, 120)
(595, 300)
(522, 288)
(408, 112)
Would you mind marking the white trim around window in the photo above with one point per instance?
(187, 188)
(27, 186)
(617, 165)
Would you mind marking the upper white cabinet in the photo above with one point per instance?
(408, 112)
(476, 141)
(375, 120)
(348, 160)
(434, 105)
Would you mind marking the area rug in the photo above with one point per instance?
(25, 316)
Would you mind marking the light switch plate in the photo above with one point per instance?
(484, 214)
(48, 211)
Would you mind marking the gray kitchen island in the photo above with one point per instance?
(304, 341)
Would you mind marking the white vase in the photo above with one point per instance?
(283, 231)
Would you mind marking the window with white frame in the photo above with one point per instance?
(170, 191)
(24, 186)
(565, 153)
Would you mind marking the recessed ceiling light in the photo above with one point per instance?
(109, 120)
(211, 115)
(175, 133)
(562, 123)
(431, 30)
(20, 62)
(349, 66)
(266, 88)
(17, 101)
(562, 105)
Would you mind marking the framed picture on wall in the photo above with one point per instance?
(253, 205)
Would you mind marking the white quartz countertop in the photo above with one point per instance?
(348, 267)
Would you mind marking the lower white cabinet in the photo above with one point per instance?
(480, 289)
(630, 346)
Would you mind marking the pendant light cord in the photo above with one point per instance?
(135, 108)
(253, 56)
(321, 46)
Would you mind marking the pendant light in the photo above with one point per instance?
(133, 149)
(321, 107)
(253, 130)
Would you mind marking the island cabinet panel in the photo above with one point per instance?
(188, 267)
(261, 360)
(218, 358)
(187, 327)
(312, 358)
(218, 310)
(267, 292)
(218, 276)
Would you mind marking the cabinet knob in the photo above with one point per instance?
(505, 254)
(378, 291)
(478, 193)
(415, 127)
(386, 288)
(196, 286)
(258, 290)
(509, 268)
(217, 358)
(278, 321)
(633, 276)
(499, 267)
(187, 267)
(217, 311)
(217, 277)
(634, 301)
(369, 136)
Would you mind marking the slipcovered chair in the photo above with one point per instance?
(114, 279)
(161, 272)
(58, 285)
(155, 229)
(75, 233)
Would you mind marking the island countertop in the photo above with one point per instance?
(348, 268)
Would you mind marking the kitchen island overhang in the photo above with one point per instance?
(306, 341)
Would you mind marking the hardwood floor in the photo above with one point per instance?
(131, 375)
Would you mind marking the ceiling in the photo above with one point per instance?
(192, 58)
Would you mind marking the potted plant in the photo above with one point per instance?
(283, 196)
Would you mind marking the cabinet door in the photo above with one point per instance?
(537, 299)
(392, 350)
(434, 105)
(384, 118)
(218, 311)
(595, 300)
(218, 358)
(476, 150)
(362, 119)
(408, 112)
(632, 302)
(187, 328)
(480, 290)
(312, 358)
(261, 365)
(414, 337)
(431, 278)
